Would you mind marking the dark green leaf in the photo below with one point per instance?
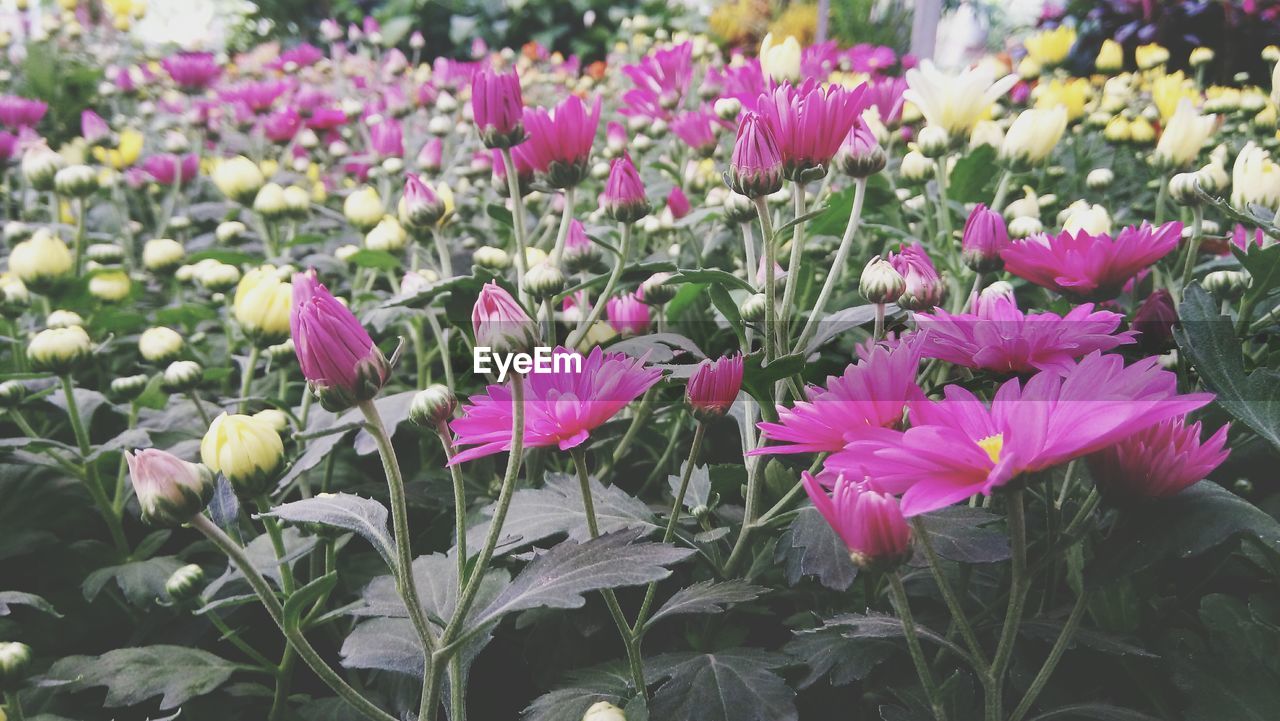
(141, 581)
(810, 548)
(827, 651)
(363, 516)
(758, 378)
(1093, 712)
(714, 276)
(386, 644)
(133, 675)
(18, 598)
(835, 216)
(959, 533)
(708, 597)
(1263, 265)
(972, 174)
(376, 259)
(580, 691)
(732, 685)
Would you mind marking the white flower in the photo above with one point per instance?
(1184, 135)
(957, 102)
(1255, 178)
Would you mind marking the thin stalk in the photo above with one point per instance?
(837, 268)
(949, 595)
(1018, 588)
(459, 504)
(442, 339)
(672, 522)
(562, 233)
(878, 330)
(903, 607)
(79, 237)
(1002, 191)
(234, 639)
(14, 706)
(92, 482)
(770, 302)
(597, 309)
(944, 209)
(400, 523)
(750, 512)
(457, 691)
(277, 544)
(1162, 198)
(308, 654)
(1055, 655)
(246, 379)
(194, 397)
(793, 265)
(517, 219)
(1193, 248)
(637, 420)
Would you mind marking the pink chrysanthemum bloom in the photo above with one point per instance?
(497, 105)
(561, 407)
(281, 125)
(1000, 338)
(628, 314)
(959, 447)
(192, 71)
(167, 168)
(755, 168)
(257, 96)
(335, 352)
(678, 203)
(387, 138)
(663, 75)
(699, 130)
(885, 95)
(810, 122)
(1157, 462)
(624, 199)
(559, 143)
(19, 112)
(714, 386)
(870, 523)
(871, 393)
(1090, 267)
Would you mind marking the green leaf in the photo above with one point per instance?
(363, 516)
(799, 220)
(1209, 341)
(385, 644)
(18, 598)
(1263, 265)
(959, 533)
(560, 577)
(609, 682)
(827, 651)
(376, 259)
(133, 675)
(972, 174)
(810, 548)
(872, 625)
(1094, 712)
(758, 378)
(699, 491)
(141, 581)
(299, 603)
(501, 214)
(835, 217)
(732, 685)
(727, 280)
(1181, 526)
(843, 321)
(708, 597)
(1228, 675)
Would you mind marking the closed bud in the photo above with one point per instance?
(491, 258)
(433, 406)
(15, 231)
(860, 156)
(1226, 284)
(239, 179)
(41, 260)
(229, 231)
(160, 344)
(247, 450)
(604, 711)
(64, 319)
(915, 168)
(15, 659)
(1184, 189)
(543, 281)
(714, 386)
(40, 165)
(985, 237)
(281, 352)
(128, 388)
(755, 168)
(274, 417)
(269, 201)
(420, 207)
(1099, 179)
(105, 253)
(500, 323)
(739, 209)
(363, 208)
(162, 254)
(75, 181)
(1200, 56)
(185, 583)
(624, 198)
(933, 141)
(752, 308)
(181, 376)
(59, 350)
(110, 285)
(14, 297)
(1024, 226)
(339, 359)
(727, 108)
(261, 305)
(657, 289)
(170, 490)
(12, 393)
(881, 283)
(217, 277)
(387, 235)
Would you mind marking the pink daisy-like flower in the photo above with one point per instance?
(810, 122)
(999, 337)
(628, 314)
(1157, 462)
(871, 393)
(561, 408)
(960, 446)
(559, 143)
(662, 77)
(1089, 267)
(869, 522)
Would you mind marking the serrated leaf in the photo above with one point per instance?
(873, 624)
(810, 548)
(1263, 265)
(375, 259)
(538, 513)
(828, 652)
(1209, 341)
(581, 689)
(560, 577)
(843, 321)
(1048, 631)
(732, 685)
(8, 599)
(707, 597)
(141, 581)
(971, 175)
(699, 491)
(758, 378)
(385, 644)
(363, 516)
(959, 533)
(299, 603)
(1225, 670)
(133, 675)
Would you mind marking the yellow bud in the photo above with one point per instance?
(261, 305)
(110, 286)
(364, 208)
(160, 344)
(40, 259)
(245, 449)
(159, 254)
(59, 349)
(239, 179)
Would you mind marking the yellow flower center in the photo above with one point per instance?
(993, 445)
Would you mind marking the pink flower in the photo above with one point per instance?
(431, 155)
(1243, 239)
(1090, 267)
(500, 322)
(867, 58)
(885, 95)
(628, 314)
(1153, 321)
(8, 146)
(497, 105)
(870, 523)
(281, 125)
(170, 490)
(1157, 462)
(615, 136)
(326, 119)
(1002, 339)
(714, 386)
(18, 112)
(257, 96)
(925, 288)
(624, 199)
(300, 56)
(960, 446)
(560, 140)
(698, 130)
(387, 139)
(678, 203)
(420, 206)
(871, 393)
(167, 168)
(860, 154)
(93, 128)
(755, 169)
(335, 352)
(985, 237)
(192, 71)
(663, 75)
(561, 407)
(810, 122)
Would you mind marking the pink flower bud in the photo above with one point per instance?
(420, 206)
(755, 169)
(498, 107)
(387, 139)
(628, 314)
(93, 127)
(1154, 321)
(870, 523)
(431, 156)
(678, 203)
(624, 198)
(500, 323)
(335, 352)
(1157, 462)
(714, 386)
(985, 236)
(925, 288)
(169, 489)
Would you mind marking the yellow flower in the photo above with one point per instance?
(1255, 178)
(238, 178)
(110, 285)
(1051, 47)
(445, 193)
(799, 20)
(1069, 94)
(1118, 130)
(245, 449)
(956, 102)
(387, 236)
(1200, 56)
(42, 257)
(59, 349)
(261, 305)
(780, 60)
(1169, 90)
(1092, 219)
(1150, 55)
(126, 152)
(363, 208)
(1141, 131)
(1110, 57)
(1183, 136)
(1033, 135)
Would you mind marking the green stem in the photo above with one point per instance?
(903, 607)
(1193, 248)
(93, 483)
(1018, 588)
(284, 677)
(1162, 196)
(14, 706)
(597, 309)
(837, 267)
(194, 397)
(459, 504)
(949, 595)
(277, 544)
(457, 691)
(610, 598)
(562, 232)
(246, 379)
(793, 266)
(234, 639)
(637, 420)
(308, 654)
(400, 523)
(944, 209)
(1055, 655)
(1002, 191)
(750, 511)
(517, 220)
(770, 302)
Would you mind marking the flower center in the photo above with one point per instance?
(992, 445)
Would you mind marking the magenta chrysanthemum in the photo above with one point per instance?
(810, 122)
(1090, 267)
(1157, 462)
(869, 522)
(335, 352)
(559, 143)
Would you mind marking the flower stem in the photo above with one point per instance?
(277, 544)
(1002, 191)
(837, 267)
(949, 595)
(92, 481)
(400, 522)
(793, 265)
(903, 607)
(14, 706)
(944, 209)
(597, 309)
(610, 598)
(517, 219)
(246, 379)
(1055, 655)
(295, 637)
(459, 504)
(770, 303)
(1018, 588)
(1193, 248)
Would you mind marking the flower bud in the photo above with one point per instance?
(105, 253)
(1099, 179)
(247, 450)
(915, 168)
(387, 236)
(860, 156)
(297, 202)
(110, 285)
(229, 231)
(1024, 226)
(14, 297)
(755, 168)
(752, 308)
(491, 258)
(239, 179)
(12, 393)
(870, 523)
(924, 288)
(64, 319)
(75, 181)
(543, 281)
(420, 207)
(40, 166)
(656, 290)
(181, 376)
(59, 350)
(985, 236)
(261, 305)
(281, 352)
(274, 417)
(498, 107)
(933, 141)
(500, 323)
(624, 198)
(128, 388)
(269, 201)
(1154, 321)
(881, 283)
(1184, 189)
(185, 583)
(1226, 284)
(714, 386)
(338, 358)
(218, 277)
(41, 260)
(15, 659)
(433, 406)
(160, 344)
(170, 490)
(604, 711)
(363, 208)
